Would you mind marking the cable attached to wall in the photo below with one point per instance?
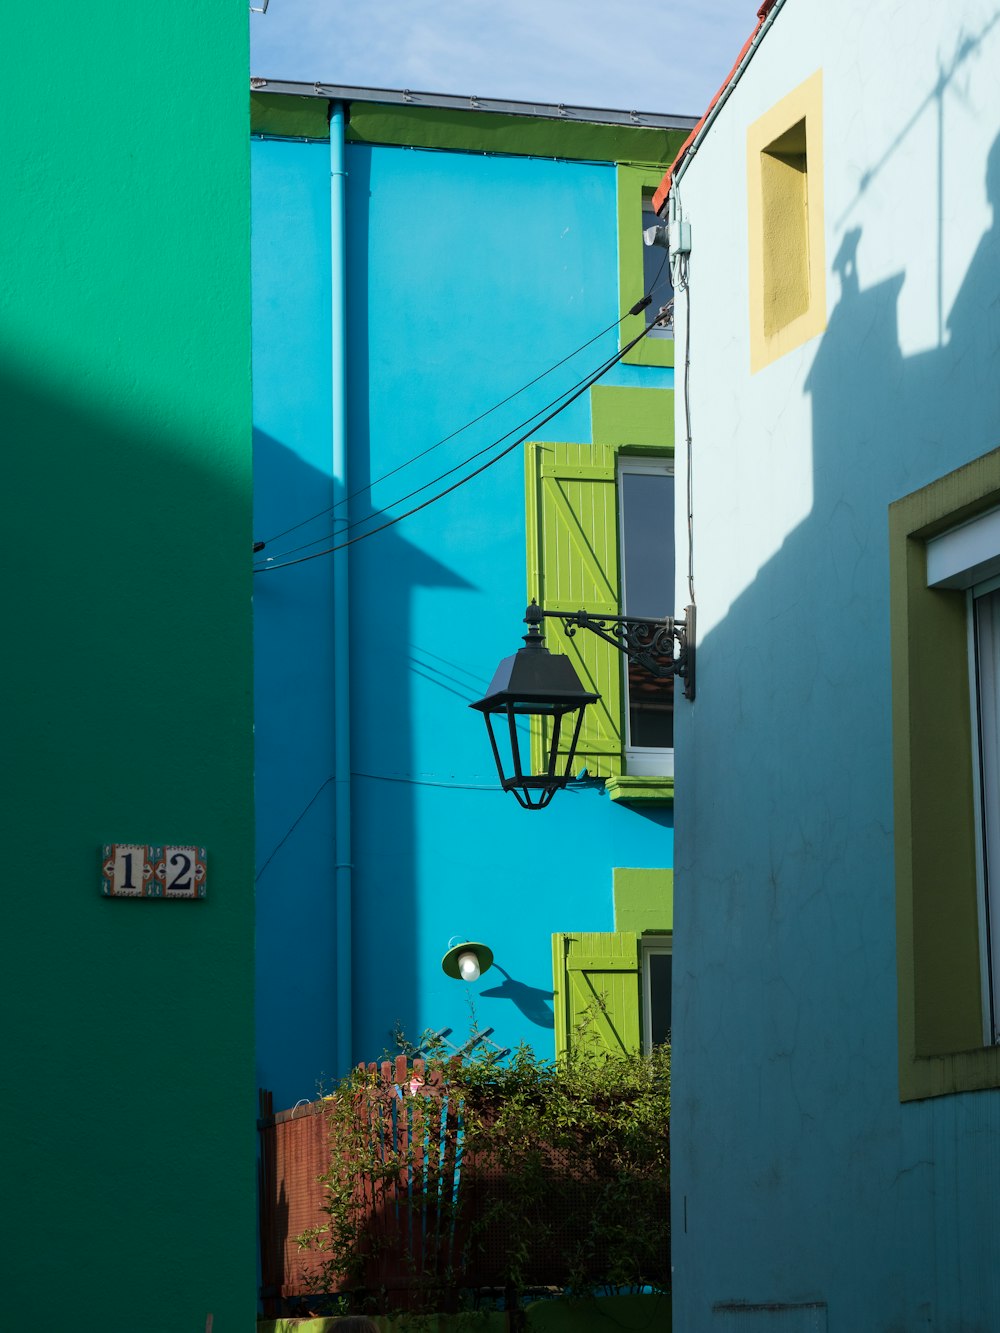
(448, 472)
(680, 272)
(483, 467)
(361, 490)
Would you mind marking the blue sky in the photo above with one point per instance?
(644, 55)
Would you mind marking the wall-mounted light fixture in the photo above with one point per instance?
(467, 960)
(536, 683)
(647, 642)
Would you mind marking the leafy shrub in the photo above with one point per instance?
(500, 1174)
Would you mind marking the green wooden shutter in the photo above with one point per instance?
(596, 990)
(572, 509)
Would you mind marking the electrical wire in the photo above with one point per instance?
(427, 782)
(687, 424)
(280, 560)
(681, 276)
(635, 309)
(657, 284)
(339, 546)
(298, 820)
(376, 513)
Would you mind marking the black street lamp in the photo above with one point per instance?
(534, 683)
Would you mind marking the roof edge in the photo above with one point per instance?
(766, 15)
(488, 105)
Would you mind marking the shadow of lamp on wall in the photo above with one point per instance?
(467, 960)
(536, 683)
(533, 1002)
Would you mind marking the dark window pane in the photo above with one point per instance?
(650, 708)
(647, 500)
(660, 968)
(647, 507)
(655, 273)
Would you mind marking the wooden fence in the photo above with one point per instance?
(407, 1220)
(414, 1223)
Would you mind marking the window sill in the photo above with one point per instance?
(943, 1075)
(641, 791)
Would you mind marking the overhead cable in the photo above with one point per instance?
(635, 310)
(526, 423)
(398, 518)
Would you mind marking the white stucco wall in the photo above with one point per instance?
(798, 1176)
(910, 113)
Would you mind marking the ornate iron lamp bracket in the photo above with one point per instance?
(650, 643)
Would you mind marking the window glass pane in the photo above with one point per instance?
(655, 272)
(647, 502)
(650, 709)
(660, 967)
(647, 517)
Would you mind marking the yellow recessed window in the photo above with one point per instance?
(785, 199)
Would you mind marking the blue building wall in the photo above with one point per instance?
(468, 274)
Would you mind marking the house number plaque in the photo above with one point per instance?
(139, 870)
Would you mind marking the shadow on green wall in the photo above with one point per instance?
(127, 683)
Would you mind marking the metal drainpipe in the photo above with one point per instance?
(341, 595)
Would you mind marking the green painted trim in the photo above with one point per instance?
(628, 421)
(644, 899)
(596, 985)
(291, 116)
(637, 418)
(641, 791)
(937, 935)
(575, 543)
(560, 1007)
(533, 529)
(633, 182)
(287, 116)
(523, 136)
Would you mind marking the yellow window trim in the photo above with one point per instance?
(804, 103)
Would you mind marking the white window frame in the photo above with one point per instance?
(644, 761)
(652, 945)
(968, 557)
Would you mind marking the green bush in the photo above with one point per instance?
(511, 1175)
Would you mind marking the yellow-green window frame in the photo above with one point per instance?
(634, 183)
(572, 489)
(941, 1043)
(591, 969)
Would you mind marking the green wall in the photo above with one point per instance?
(127, 1074)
